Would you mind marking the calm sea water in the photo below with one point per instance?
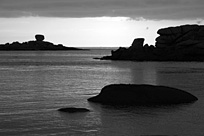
(33, 85)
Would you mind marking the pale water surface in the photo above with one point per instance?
(33, 85)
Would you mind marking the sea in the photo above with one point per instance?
(35, 84)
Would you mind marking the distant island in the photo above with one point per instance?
(38, 45)
(180, 43)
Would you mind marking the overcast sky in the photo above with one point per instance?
(94, 22)
(149, 9)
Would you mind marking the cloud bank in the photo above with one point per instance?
(149, 9)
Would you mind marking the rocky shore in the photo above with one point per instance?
(38, 44)
(180, 43)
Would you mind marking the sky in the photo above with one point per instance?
(94, 22)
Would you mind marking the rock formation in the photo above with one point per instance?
(133, 94)
(181, 43)
(73, 110)
(39, 44)
(137, 51)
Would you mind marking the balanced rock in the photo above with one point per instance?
(73, 110)
(142, 95)
(39, 37)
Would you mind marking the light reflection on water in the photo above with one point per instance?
(34, 85)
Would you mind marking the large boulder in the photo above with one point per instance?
(142, 95)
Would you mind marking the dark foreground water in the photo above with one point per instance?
(33, 85)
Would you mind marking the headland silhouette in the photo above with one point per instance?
(37, 45)
(180, 43)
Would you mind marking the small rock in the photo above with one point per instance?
(73, 110)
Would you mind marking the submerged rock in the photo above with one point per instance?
(142, 95)
(73, 110)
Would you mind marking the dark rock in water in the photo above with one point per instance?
(39, 37)
(73, 110)
(142, 95)
(180, 43)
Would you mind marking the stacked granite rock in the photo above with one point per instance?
(181, 43)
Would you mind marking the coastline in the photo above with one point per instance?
(180, 43)
(38, 45)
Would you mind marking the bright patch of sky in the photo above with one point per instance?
(94, 23)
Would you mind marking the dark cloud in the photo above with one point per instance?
(150, 9)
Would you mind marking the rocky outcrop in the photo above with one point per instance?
(73, 110)
(181, 43)
(137, 51)
(39, 44)
(142, 95)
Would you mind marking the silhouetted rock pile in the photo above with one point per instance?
(181, 43)
(39, 44)
(132, 94)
